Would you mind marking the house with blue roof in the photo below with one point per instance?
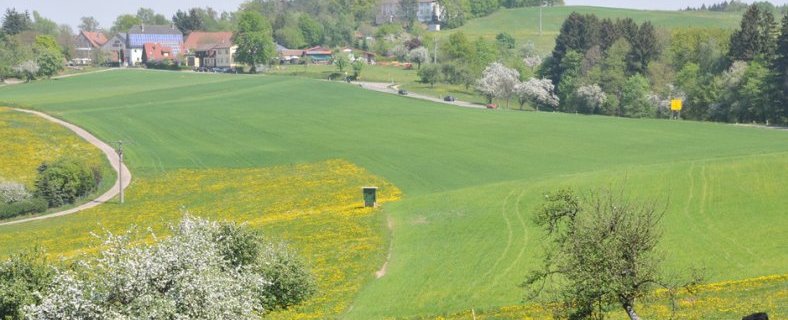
(163, 35)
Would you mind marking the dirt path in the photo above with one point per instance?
(393, 89)
(111, 156)
(382, 272)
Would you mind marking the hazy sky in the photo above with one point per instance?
(69, 11)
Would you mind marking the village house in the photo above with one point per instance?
(210, 50)
(156, 52)
(389, 11)
(115, 49)
(87, 46)
(163, 35)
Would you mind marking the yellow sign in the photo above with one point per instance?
(675, 104)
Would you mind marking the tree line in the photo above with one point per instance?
(625, 69)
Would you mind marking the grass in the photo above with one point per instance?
(339, 238)
(523, 23)
(462, 236)
(28, 141)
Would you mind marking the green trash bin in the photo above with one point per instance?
(370, 196)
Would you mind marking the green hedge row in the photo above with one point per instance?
(27, 206)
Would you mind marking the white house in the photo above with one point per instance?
(389, 11)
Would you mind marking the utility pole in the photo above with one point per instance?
(544, 3)
(120, 169)
(435, 51)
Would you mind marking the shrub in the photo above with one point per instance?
(13, 192)
(65, 181)
(205, 270)
(22, 278)
(26, 206)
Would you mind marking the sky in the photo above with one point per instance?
(69, 11)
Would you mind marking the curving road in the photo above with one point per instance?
(111, 156)
(393, 89)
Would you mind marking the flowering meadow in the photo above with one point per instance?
(27, 140)
(719, 300)
(315, 208)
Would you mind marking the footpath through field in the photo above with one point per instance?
(111, 156)
(394, 89)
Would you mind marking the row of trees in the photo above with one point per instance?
(204, 270)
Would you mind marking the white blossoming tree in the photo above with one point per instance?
(205, 270)
(540, 92)
(419, 55)
(590, 98)
(13, 192)
(28, 69)
(498, 81)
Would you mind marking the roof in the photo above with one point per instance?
(289, 52)
(96, 39)
(156, 51)
(204, 41)
(154, 29)
(318, 50)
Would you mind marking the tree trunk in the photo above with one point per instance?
(631, 311)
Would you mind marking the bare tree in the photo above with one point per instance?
(601, 252)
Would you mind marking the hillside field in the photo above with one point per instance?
(523, 23)
(461, 183)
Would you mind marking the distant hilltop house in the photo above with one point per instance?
(87, 44)
(210, 50)
(163, 35)
(428, 12)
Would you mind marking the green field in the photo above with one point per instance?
(523, 23)
(461, 235)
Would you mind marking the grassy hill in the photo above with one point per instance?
(461, 235)
(523, 23)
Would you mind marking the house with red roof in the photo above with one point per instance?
(210, 49)
(88, 44)
(156, 52)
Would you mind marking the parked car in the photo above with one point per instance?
(403, 92)
(448, 98)
(492, 106)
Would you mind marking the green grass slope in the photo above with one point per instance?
(462, 236)
(523, 23)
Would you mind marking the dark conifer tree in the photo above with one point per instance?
(755, 37)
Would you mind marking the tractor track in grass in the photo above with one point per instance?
(111, 156)
(509, 237)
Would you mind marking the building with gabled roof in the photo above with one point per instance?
(115, 49)
(87, 45)
(164, 35)
(389, 11)
(156, 52)
(210, 49)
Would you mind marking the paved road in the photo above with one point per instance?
(111, 156)
(393, 89)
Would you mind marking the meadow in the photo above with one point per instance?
(523, 23)
(28, 141)
(461, 235)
